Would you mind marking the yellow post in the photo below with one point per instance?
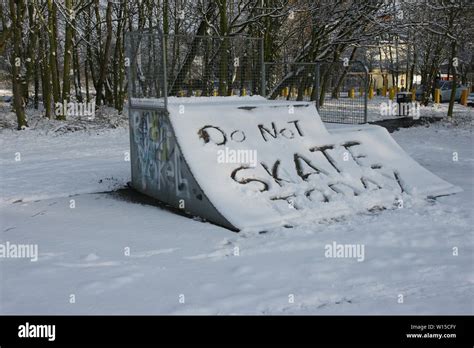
(181, 93)
(437, 95)
(371, 92)
(352, 93)
(391, 93)
(286, 92)
(464, 97)
(384, 91)
(244, 92)
(215, 94)
(413, 94)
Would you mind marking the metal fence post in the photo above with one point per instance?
(366, 91)
(165, 72)
(262, 60)
(128, 64)
(316, 73)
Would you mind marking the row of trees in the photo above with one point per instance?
(62, 50)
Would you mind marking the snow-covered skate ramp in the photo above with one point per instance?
(262, 163)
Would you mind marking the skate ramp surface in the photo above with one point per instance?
(267, 163)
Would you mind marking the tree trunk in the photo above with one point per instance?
(77, 73)
(166, 25)
(118, 66)
(412, 70)
(67, 56)
(17, 9)
(224, 54)
(45, 77)
(453, 90)
(104, 64)
(31, 48)
(336, 90)
(53, 51)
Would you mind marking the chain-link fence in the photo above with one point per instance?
(291, 81)
(340, 92)
(146, 64)
(162, 66)
(187, 65)
(213, 66)
(343, 92)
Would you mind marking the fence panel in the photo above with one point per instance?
(186, 65)
(291, 81)
(340, 92)
(343, 96)
(146, 68)
(213, 66)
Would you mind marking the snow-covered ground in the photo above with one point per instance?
(119, 257)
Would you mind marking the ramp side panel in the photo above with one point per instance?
(159, 168)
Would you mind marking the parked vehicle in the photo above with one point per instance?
(445, 93)
(446, 88)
